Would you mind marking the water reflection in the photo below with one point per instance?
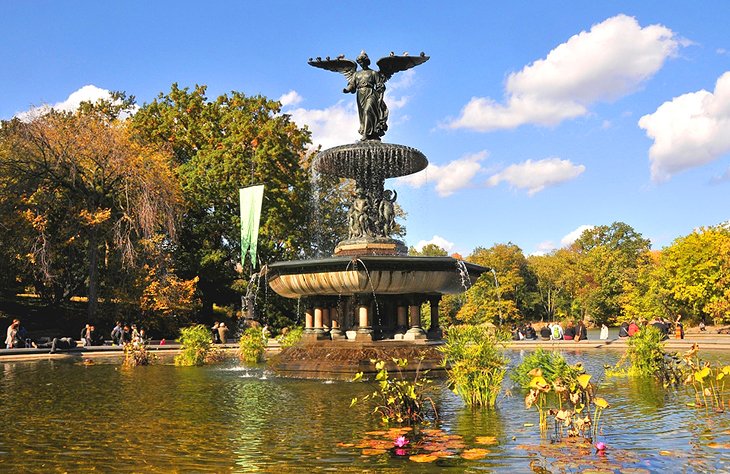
(62, 415)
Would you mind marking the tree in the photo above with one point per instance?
(87, 193)
(608, 257)
(509, 299)
(220, 146)
(693, 275)
(428, 250)
(553, 282)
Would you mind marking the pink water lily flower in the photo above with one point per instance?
(600, 446)
(401, 441)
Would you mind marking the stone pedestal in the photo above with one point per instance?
(415, 332)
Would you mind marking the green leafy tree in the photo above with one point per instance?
(509, 300)
(608, 258)
(220, 146)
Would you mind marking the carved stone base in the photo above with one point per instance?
(414, 334)
(349, 248)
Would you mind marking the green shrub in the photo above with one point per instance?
(552, 364)
(252, 345)
(291, 337)
(197, 346)
(475, 364)
(645, 357)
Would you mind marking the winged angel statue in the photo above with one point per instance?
(370, 86)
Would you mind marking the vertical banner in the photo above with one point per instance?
(251, 199)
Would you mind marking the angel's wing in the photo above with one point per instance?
(389, 65)
(344, 66)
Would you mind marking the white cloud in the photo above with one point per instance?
(290, 98)
(449, 178)
(436, 240)
(537, 175)
(573, 236)
(611, 60)
(689, 131)
(335, 125)
(88, 93)
(544, 248)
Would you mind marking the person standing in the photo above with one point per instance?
(222, 333)
(11, 339)
(117, 334)
(86, 335)
(216, 334)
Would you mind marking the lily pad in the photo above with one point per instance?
(488, 440)
(373, 452)
(474, 453)
(423, 458)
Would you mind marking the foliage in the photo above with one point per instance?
(291, 337)
(645, 357)
(81, 193)
(428, 250)
(137, 354)
(252, 345)
(552, 364)
(219, 146)
(568, 401)
(707, 380)
(474, 363)
(398, 400)
(505, 302)
(197, 346)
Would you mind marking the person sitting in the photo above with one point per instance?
(545, 333)
(569, 333)
(633, 328)
(529, 332)
(557, 332)
(623, 330)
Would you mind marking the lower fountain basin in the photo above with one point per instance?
(391, 275)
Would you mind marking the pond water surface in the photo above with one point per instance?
(63, 416)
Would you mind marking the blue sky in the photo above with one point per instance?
(538, 118)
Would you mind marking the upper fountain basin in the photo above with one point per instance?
(392, 275)
(370, 158)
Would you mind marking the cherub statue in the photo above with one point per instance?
(386, 211)
(370, 86)
(359, 221)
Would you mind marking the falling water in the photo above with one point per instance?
(316, 212)
(464, 274)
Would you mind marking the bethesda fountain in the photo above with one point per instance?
(370, 291)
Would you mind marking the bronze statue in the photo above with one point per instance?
(370, 86)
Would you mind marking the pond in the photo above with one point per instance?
(61, 415)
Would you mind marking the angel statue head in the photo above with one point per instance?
(370, 86)
(363, 60)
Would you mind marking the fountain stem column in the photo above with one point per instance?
(434, 332)
(402, 320)
(365, 330)
(326, 321)
(415, 332)
(308, 321)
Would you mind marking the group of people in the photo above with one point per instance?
(572, 332)
(125, 334)
(219, 332)
(663, 325)
(526, 331)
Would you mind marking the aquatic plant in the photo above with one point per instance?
(291, 337)
(475, 363)
(706, 379)
(137, 354)
(645, 357)
(566, 398)
(397, 399)
(197, 346)
(252, 345)
(551, 363)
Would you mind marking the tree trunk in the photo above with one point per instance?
(93, 258)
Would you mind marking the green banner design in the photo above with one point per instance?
(251, 199)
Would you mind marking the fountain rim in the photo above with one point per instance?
(404, 263)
